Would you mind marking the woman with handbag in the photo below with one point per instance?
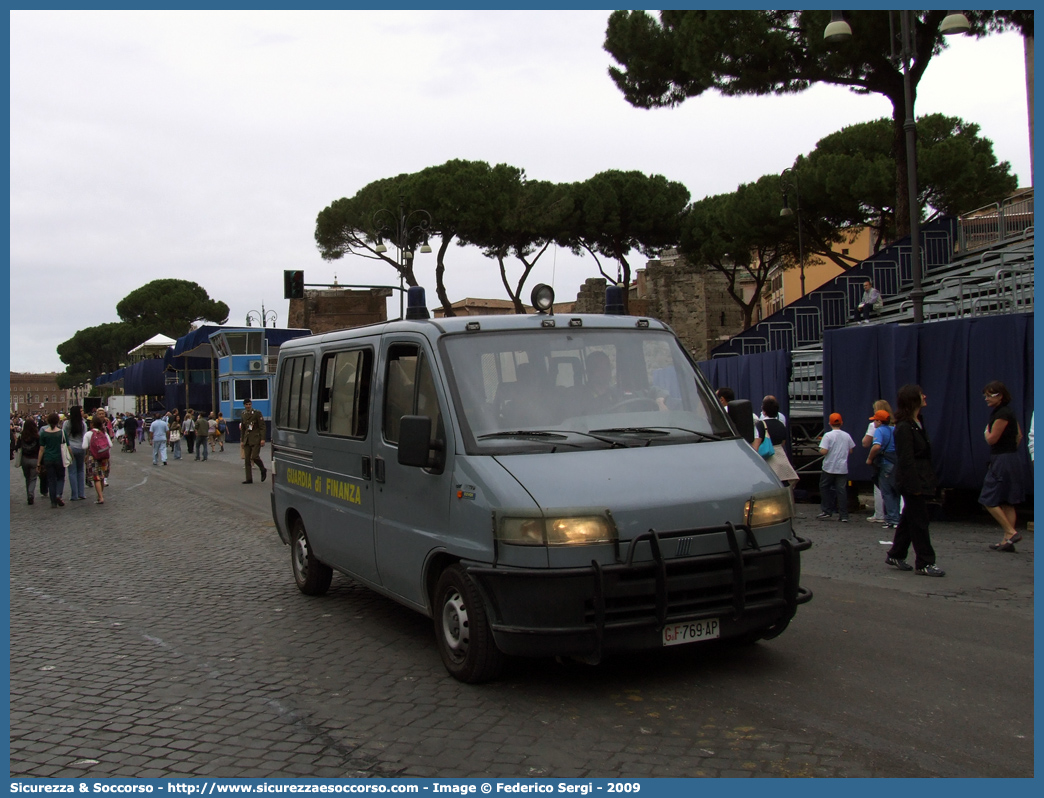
(52, 459)
(175, 435)
(29, 447)
(770, 426)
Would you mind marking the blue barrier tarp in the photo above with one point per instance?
(951, 361)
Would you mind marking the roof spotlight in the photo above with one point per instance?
(543, 298)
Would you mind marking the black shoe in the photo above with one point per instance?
(30, 500)
(931, 570)
(1007, 545)
(264, 474)
(902, 565)
(248, 482)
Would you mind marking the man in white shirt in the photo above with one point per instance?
(835, 447)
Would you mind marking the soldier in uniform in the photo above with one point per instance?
(252, 434)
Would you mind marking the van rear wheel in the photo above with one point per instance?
(312, 577)
(462, 629)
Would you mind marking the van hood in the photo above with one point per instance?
(673, 487)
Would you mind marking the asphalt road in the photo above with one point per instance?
(161, 635)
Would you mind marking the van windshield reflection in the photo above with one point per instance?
(610, 387)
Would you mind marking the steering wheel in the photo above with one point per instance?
(634, 405)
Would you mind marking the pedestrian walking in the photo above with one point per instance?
(50, 459)
(188, 429)
(29, 443)
(175, 436)
(771, 424)
(1004, 486)
(916, 480)
(74, 429)
(868, 440)
(98, 445)
(159, 433)
(220, 429)
(130, 432)
(835, 447)
(882, 459)
(252, 434)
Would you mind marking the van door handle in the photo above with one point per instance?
(378, 467)
(367, 470)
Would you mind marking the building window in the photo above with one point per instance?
(251, 389)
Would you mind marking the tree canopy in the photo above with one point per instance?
(170, 307)
(616, 212)
(742, 236)
(685, 53)
(847, 180)
(509, 217)
(167, 306)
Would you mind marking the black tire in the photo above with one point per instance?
(462, 630)
(312, 576)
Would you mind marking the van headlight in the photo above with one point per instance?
(581, 530)
(769, 510)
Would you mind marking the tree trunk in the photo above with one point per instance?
(440, 271)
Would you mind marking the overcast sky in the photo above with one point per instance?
(202, 145)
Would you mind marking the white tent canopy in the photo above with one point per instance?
(158, 341)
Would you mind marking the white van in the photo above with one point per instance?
(538, 485)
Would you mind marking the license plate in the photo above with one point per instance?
(676, 634)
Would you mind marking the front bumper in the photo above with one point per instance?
(587, 611)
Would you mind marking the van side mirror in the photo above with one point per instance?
(742, 416)
(415, 442)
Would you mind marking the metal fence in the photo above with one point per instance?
(996, 223)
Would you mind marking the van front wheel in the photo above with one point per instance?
(312, 577)
(462, 629)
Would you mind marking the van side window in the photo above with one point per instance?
(294, 400)
(344, 403)
(409, 390)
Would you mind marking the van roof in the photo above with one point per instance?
(434, 328)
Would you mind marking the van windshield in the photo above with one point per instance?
(578, 388)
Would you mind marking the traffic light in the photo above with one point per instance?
(293, 284)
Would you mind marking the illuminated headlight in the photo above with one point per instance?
(574, 531)
(774, 508)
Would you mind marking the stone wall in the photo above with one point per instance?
(695, 303)
(332, 309)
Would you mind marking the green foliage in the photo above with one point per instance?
(166, 306)
(686, 53)
(848, 180)
(616, 212)
(94, 351)
(169, 307)
(742, 236)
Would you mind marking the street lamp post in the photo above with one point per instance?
(796, 212)
(262, 317)
(955, 22)
(405, 229)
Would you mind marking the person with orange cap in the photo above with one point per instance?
(835, 447)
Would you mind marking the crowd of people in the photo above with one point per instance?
(56, 448)
(900, 453)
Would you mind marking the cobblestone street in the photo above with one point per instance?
(161, 634)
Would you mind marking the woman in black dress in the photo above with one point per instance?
(1004, 485)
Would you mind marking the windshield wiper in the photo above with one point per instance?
(544, 435)
(657, 431)
(521, 433)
